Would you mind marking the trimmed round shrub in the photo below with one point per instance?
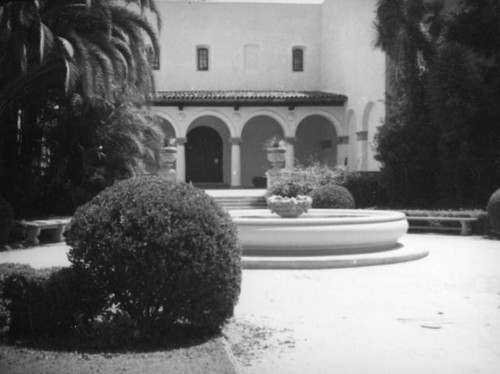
(332, 197)
(6, 219)
(165, 254)
(493, 209)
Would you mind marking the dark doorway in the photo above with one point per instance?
(204, 156)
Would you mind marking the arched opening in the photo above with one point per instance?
(167, 128)
(316, 141)
(254, 163)
(204, 156)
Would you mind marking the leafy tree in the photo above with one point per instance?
(440, 143)
(464, 91)
(406, 147)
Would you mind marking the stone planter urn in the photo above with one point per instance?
(276, 157)
(168, 157)
(170, 154)
(289, 207)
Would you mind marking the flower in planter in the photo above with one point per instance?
(170, 140)
(275, 142)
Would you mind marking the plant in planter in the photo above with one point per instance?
(275, 142)
(170, 140)
(289, 207)
(288, 199)
(276, 150)
(168, 157)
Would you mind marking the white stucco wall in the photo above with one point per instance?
(226, 28)
(340, 57)
(352, 66)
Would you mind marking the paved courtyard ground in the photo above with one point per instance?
(440, 314)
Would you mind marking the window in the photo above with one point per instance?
(297, 59)
(154, 59)
(202, 58)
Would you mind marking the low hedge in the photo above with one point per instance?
(46, 302)
(367, 188)
(443, 213)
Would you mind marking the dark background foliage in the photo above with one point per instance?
(440, 143)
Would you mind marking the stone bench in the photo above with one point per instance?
(464, 229)
(56, 226)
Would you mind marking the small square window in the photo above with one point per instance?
(202, 57)
(297, 59)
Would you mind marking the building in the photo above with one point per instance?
(232, 74)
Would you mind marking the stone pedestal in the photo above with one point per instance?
(277, 158)
(167, 168)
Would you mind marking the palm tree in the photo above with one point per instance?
(53, 50)
(92, 46)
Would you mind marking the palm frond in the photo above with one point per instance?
(105, 72)
(83, 59)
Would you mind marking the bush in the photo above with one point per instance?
(494, 212)
(318, 174)
(302, 180)
(332, 197)
(165, 254)
(288, 189)
(6, 219)
(367, 189)
(7, 269)
(47, 302)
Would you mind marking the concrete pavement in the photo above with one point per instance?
(439, 314)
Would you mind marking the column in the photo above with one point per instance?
(235, 162)
(181, 159)
(362, 162)
(290, 153)
(343, 150)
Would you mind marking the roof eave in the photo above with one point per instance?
(248, 103)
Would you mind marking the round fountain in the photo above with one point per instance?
(323, 238)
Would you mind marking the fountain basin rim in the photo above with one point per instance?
(316, 217)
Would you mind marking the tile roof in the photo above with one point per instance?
(247, 98)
